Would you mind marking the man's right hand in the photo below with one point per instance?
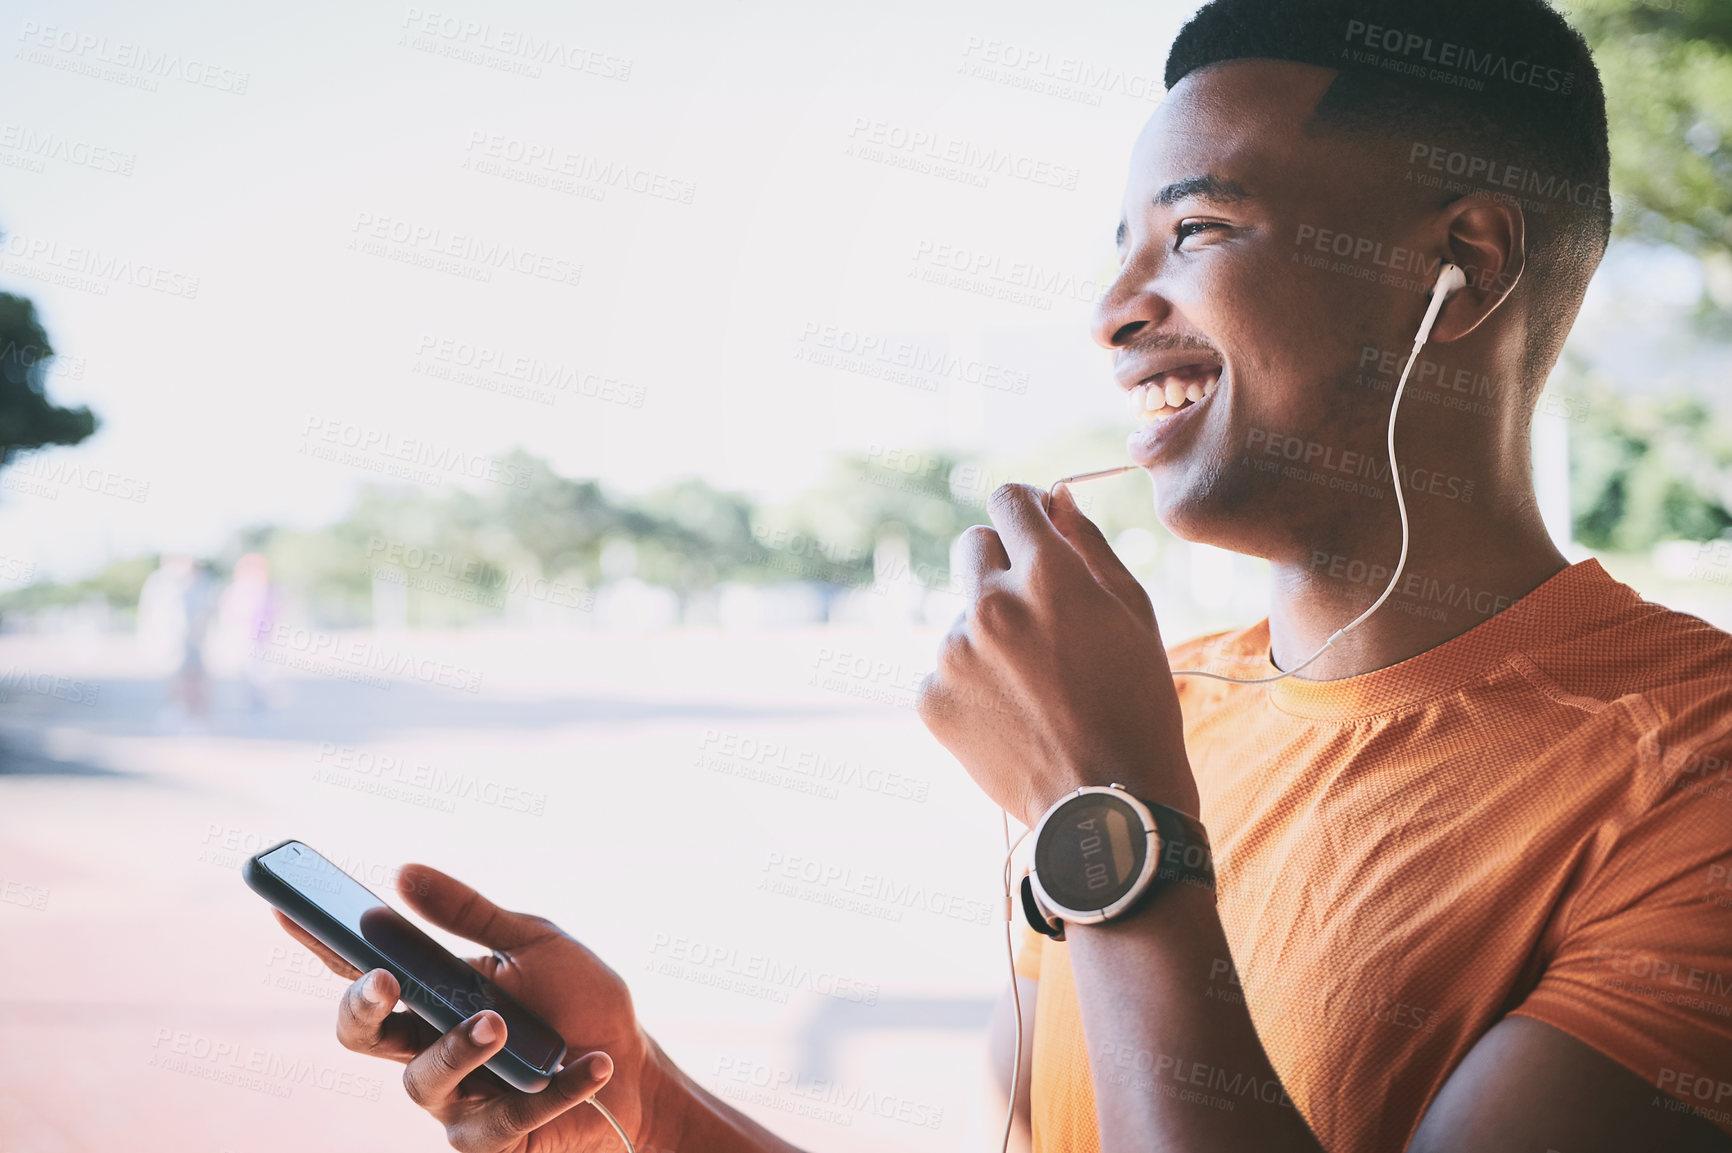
(549, 972)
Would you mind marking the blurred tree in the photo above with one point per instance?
(1667, 69)
(1649, 468)
(27, 418)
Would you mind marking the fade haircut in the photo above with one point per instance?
(1499, 97)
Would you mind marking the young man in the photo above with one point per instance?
(1471, 871)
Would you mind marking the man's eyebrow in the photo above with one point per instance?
(1206, 187)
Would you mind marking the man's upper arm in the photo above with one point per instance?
(1530, 1088)
(1624, 1042)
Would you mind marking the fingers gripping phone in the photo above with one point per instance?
(366, 932)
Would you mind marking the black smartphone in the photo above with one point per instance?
(366, 932)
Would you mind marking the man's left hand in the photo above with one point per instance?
(1055, 677)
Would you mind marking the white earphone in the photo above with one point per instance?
(1450, 278)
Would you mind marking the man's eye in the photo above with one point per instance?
(1189, 228)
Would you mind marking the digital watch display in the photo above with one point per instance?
(1099, 851)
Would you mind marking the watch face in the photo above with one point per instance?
(1090, 852)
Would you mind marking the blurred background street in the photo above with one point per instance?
(693, 765)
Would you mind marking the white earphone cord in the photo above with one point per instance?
(626, 1141)
(1449, 279)
(1400, 561)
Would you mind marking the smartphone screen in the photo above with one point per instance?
(353, 907)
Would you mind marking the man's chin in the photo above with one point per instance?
(1193, 505)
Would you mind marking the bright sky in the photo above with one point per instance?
(700, 237)
(372, 140)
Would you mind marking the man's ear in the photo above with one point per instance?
(1487, 238)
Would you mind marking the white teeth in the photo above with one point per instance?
(1157, 400)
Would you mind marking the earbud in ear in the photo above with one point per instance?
(1449, 278)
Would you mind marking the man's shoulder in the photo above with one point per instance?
(1644, 650)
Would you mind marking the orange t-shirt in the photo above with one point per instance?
(1534, 817)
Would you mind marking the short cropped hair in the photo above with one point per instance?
(1494, 96)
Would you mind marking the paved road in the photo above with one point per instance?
(754, 829)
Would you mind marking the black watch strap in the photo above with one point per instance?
(1185, 855)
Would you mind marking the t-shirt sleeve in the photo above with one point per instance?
(1028, 955)
(1643, 972)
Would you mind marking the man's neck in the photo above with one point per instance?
(1463, 567)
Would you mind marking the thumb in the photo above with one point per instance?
(1103, 564)
(454, 906)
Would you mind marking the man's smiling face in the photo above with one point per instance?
(1223, 180)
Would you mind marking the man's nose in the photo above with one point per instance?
(1130, 305)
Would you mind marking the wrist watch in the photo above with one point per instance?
(1099, 851)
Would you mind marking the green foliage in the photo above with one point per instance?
(1644, 469)
(1667, 70)
(27, 418)
(465, 553)
(118, 584)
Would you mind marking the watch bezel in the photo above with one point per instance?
(1144, 878)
